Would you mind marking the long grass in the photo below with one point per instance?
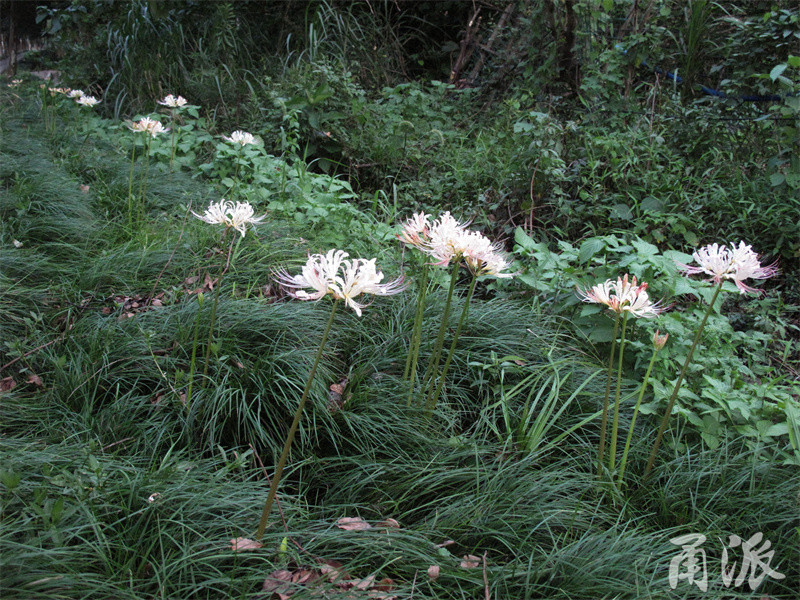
(112, 487)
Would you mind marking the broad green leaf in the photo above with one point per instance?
(777, 71)
(589, 248)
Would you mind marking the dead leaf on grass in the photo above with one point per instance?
(433, 572)
(388, 524)
(7, 384)
(35, 380)
(470, 561)
(353, 524)
(241, 544)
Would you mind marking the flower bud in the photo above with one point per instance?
(659, 340)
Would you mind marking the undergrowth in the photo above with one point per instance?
(113, 485)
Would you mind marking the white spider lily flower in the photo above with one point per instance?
(747, 266)
(362, 277)
(74, 94)
(88, 101)
(173, 101)
(491, 263)
(736, 263)
(234, 216)
(343, 279)
(447, 239)
(147, 125)
(623, 295)
(242, 214)
(240, 137)
(216, 213)
(416, 231)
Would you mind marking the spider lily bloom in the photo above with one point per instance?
(448, 240)
(242, 214)
(240, 137)
(491, 263)
(147, 125)
(343, 279)
(623, 296)
(75, 94)
(226, 213)
(416, 231)
(88, 101)
(737, 263)
(172, 101)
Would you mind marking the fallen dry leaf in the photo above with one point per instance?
(278, 582)
(433, 572)
(84, 188)
(470, 561)
(34, 379)
(445, 544)
(241, 544)
(7, 384)
(385, 585)
(388, 523)
(353, 524)
(364, 584)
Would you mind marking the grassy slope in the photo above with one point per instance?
(82, 452)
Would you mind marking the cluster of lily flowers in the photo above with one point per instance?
(147, 125)
(78, 95)
(235, 216)
(736, 263)
(719, 262)
(333, 274)
(447, 240)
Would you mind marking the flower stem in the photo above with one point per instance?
(143, 186)
(410, 372)
(612, 459)
(433, 362)
(174, 129)
(652, 459)
(207, 356)
(601, 447)
(273, 489)
(194, 349)
(624, 460)
(434, 398)
(130, 183)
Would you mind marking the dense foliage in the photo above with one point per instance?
(133, 449)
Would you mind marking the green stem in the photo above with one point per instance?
(601, 447)
(143, 185)
(628, 440)
(433, 362)
(130, 183)
(207, 356)
(194, 349)
(410, 372)
(276, 478)
(431, 404)
(174, 130)
(612, 459)
(651, 461)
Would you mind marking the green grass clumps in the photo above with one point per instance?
(115, 481)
